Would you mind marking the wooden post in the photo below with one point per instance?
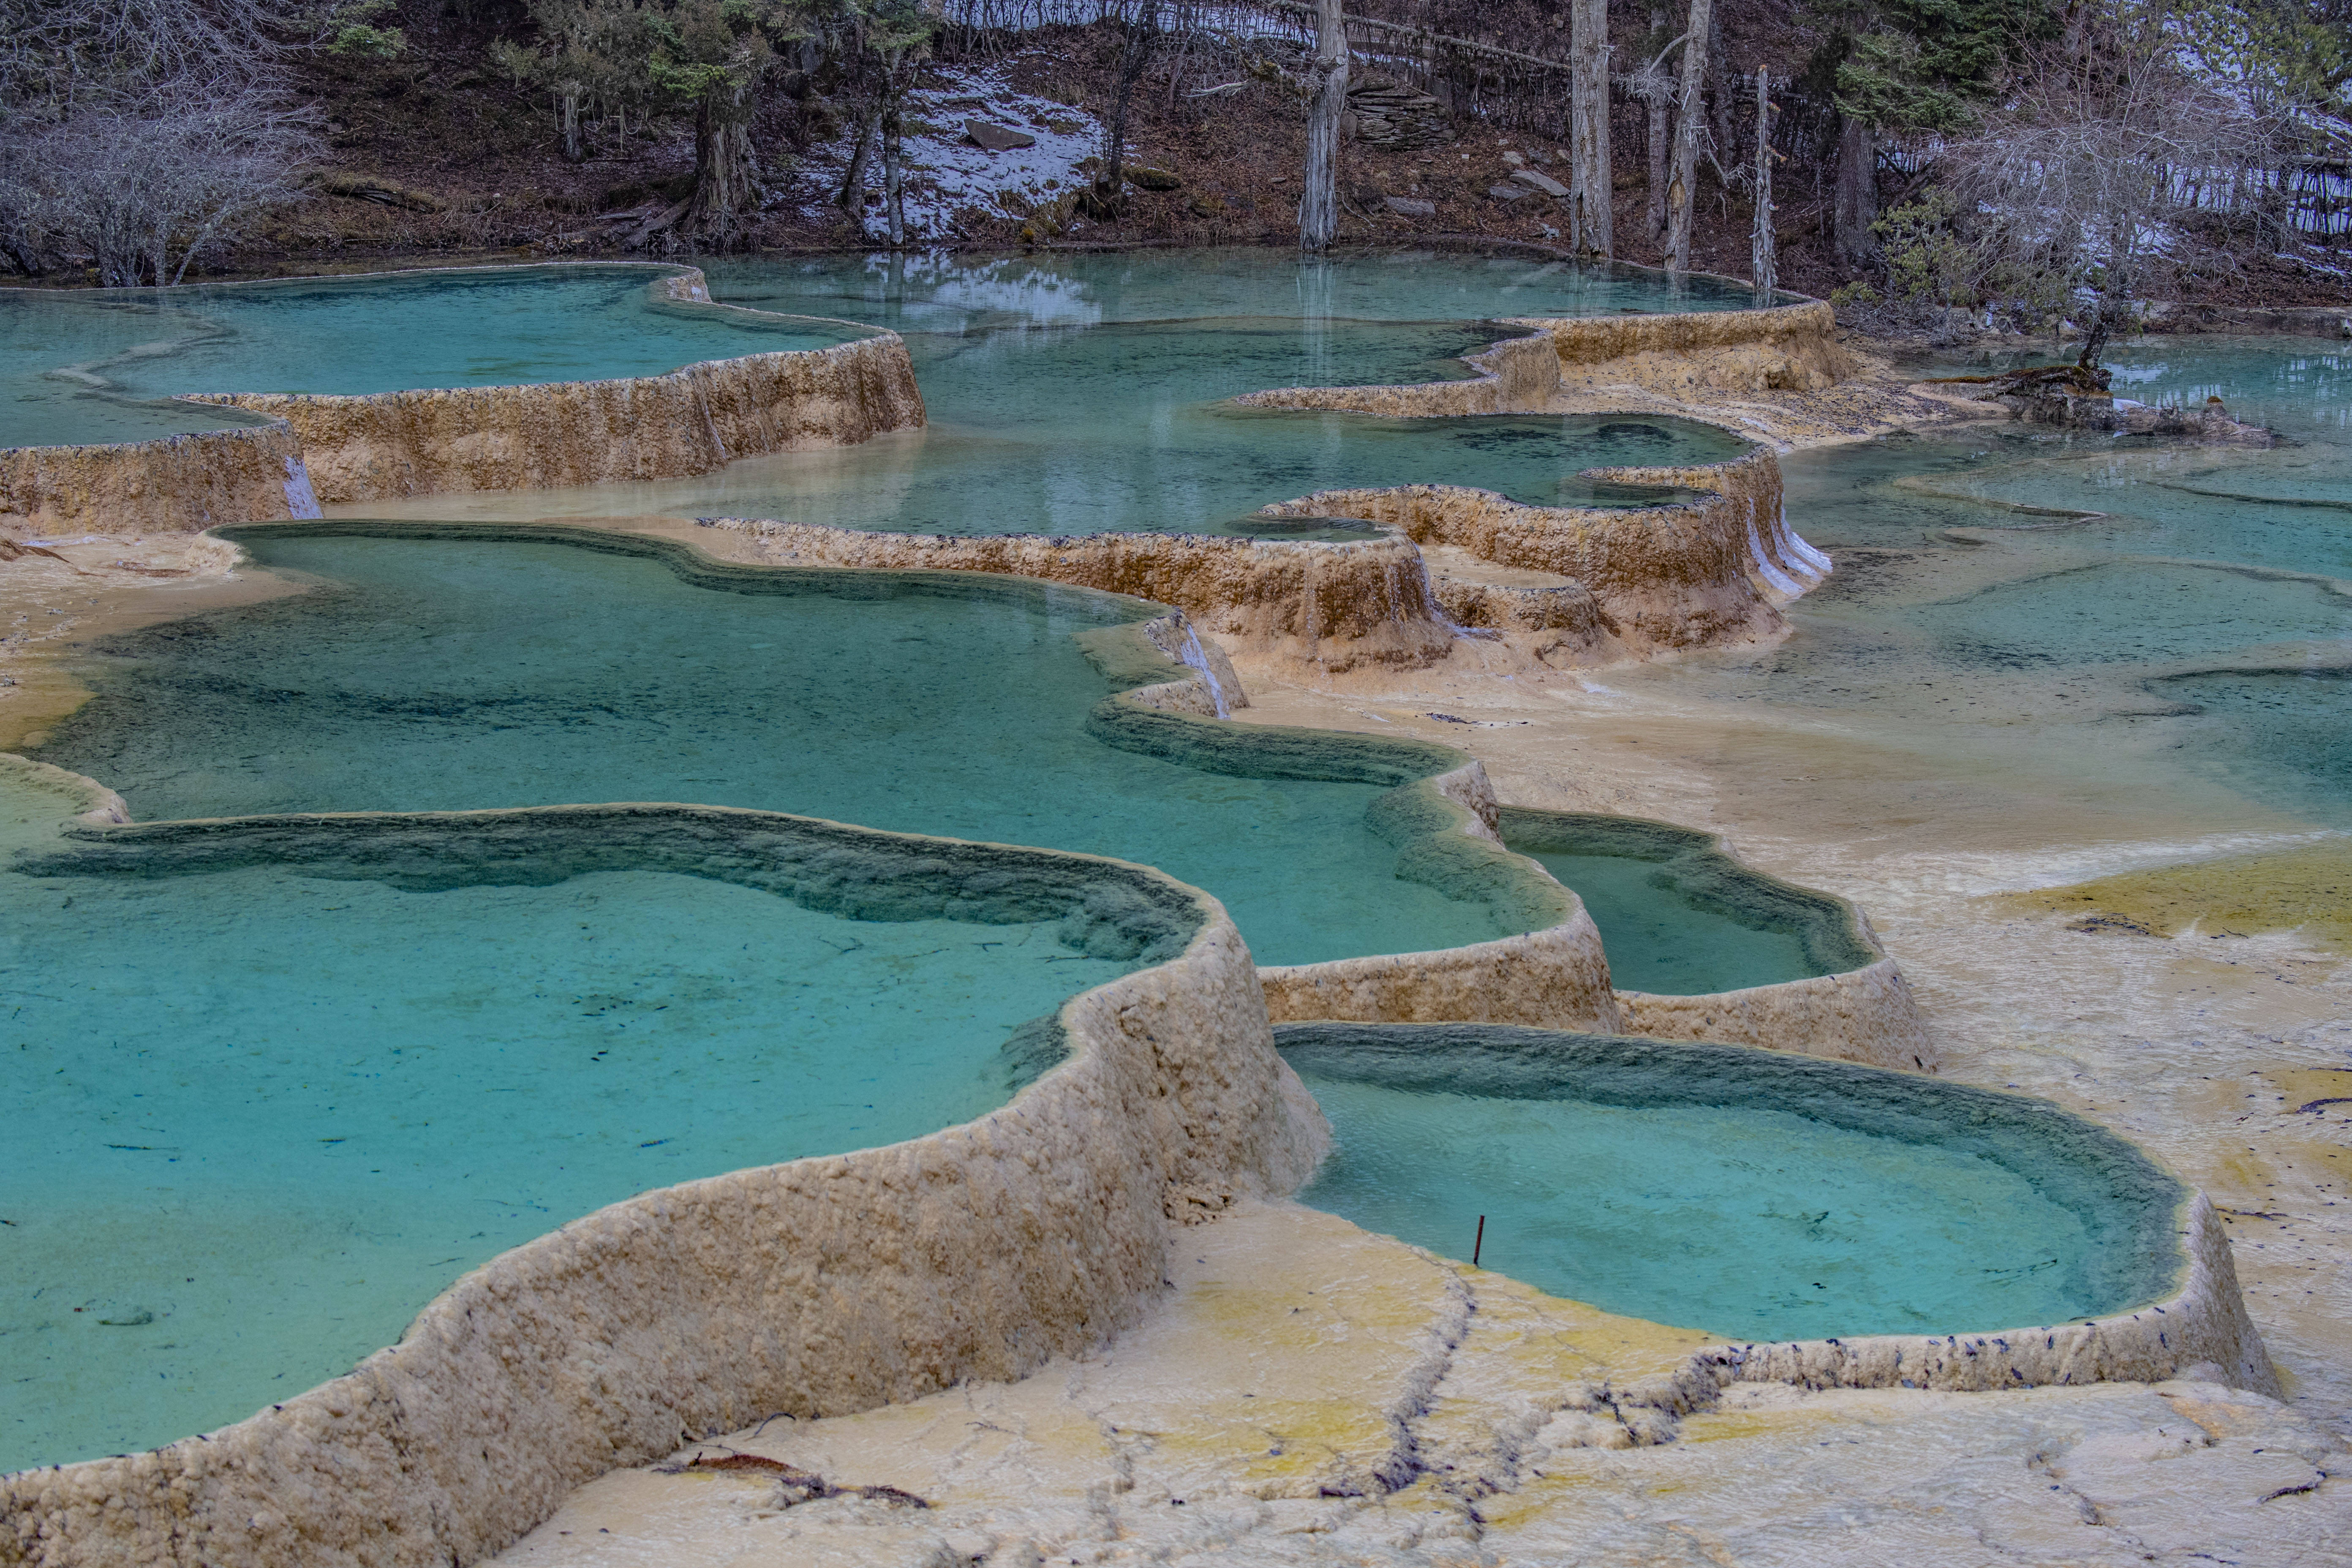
(1690, 120)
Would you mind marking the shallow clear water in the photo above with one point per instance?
(2049, 643)
(1092, 393)
(1724, 1191)
(487, 328)
(1662, 943)
(945, 704)
(962, 292)
(239, 1160)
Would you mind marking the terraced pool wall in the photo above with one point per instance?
(1858, 1010)
(1439, 813)
(174, 484)
(823, 1286)
(326, 448)
(1647, 578)
(1336, 608)
(1451, 832)
(1787, 348)
(2176, 1252)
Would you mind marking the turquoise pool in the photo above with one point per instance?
(97, 365)
(1746, 1194)
(1092, 393)
(917, 702)
(2164, 629)
(277, 1086)
(1680, 918)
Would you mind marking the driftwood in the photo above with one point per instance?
(793, 1486)
(2033, 379)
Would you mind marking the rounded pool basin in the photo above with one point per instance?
(1744, 1192)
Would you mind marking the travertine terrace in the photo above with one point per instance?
(888, 1286)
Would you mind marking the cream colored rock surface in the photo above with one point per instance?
(85, 584)
(1308, 1394)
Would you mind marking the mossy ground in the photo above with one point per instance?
(2307, 889)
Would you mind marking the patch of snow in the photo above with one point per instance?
(945, 174)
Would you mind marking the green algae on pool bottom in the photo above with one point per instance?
(1677, 916)
(93, 367)
(1753, 1195)
(278, 1082)
(918, 702)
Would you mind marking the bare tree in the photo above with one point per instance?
(1139, 36)
(1319, 204)
(1591, 217)
(136, 134)
(143, 188)
(2074, 177)
(58, 56)
(1655, 85)
(1690, 124)
(1856, 208)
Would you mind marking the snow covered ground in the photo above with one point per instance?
(947, 176)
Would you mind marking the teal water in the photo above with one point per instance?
(945, 704)
(962, 292)
(264, 1111)
(2183, 638)
(1664, 943)
(487, 327)
(1677, 916)
(1092, 393)
(1746, 1194)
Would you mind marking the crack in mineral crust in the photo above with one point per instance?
(1505, 1428)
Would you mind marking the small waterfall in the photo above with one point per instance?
(1193, 654)
(301, 500)
(1437, 610)
(1803, 551)
(1778, 579)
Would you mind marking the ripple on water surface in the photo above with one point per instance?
(1746, 1195)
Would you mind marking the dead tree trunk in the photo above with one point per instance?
(1318, 206)
(894, 165)
(1141, 36)
(1857, 189)
(1763, 245)
(851, 197)
(724, 168)
(1690, 123)
(1657, 213)
(1592, 229)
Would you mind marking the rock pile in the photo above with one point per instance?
(1389, 114)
